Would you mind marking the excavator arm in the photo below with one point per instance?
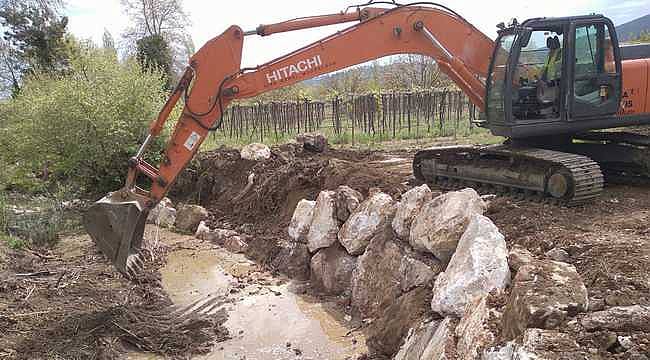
(214, 79)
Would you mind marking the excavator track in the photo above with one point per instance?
(523, 173)
(624, 156)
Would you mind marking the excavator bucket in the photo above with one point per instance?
(116, 224)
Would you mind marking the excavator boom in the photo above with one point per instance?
(214, 79)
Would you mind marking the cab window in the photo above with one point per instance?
(537, 78)
(496, 94)
(594, 55)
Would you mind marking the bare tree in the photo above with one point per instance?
(160, 18)
(414, 71)
(156, 18)
(11, 68)
(350, 81)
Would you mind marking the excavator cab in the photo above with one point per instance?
(554, 75)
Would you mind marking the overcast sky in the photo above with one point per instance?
(89, 18)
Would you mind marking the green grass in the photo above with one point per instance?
(4, 218)
(13, 242)
(41, 221)
(460, 131)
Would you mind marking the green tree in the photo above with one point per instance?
(153, 54)
(34, 40)
(38, 36)
(644, 37)
(411, 71)
(107, 41)
(159, 27)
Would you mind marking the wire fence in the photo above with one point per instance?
(374, 117)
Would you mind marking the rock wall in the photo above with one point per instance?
(433, 278)
(402, 263)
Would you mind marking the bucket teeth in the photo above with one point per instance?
(134, 265)
(203, 306)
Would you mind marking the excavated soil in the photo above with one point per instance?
(608, 240)
(78, 307)
(218, 181)
(69, 303)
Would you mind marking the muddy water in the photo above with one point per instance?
(267, 319)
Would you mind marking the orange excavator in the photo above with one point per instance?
(545, 85)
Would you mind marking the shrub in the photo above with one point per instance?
(4, 218)
(12, 241)
(36, 220)
(40, 226)
(82, 127)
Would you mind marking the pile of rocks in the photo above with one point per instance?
(192, 219)
(313, 142)
(434, 278)
(398, 261)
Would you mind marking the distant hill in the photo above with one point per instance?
(632, 29)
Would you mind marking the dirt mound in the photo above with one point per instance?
(68, 304)
(219, 180)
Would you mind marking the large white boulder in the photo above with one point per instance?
(376, 280)
(417, 340)
(255, 152)
(408, 206)
(324, 226)
(163, 214)
(476, 331)
(301, 220)
(442, 345)
(347, 200)
(479, 265)
(415, 272)
(544, 294)
(331, 269)
(365, 221)
(386, 270)
(189, 217)
(442, 221)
